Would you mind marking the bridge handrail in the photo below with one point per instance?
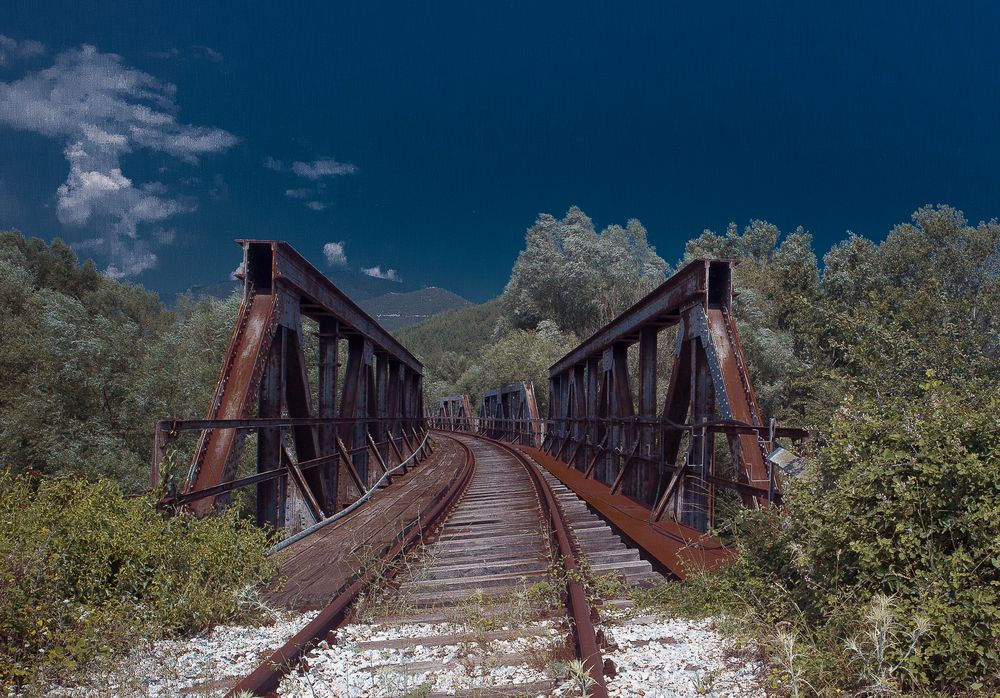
(347, 510)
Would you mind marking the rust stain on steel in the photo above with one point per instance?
(235, 397)
(678, 548)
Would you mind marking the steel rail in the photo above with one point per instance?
(579, 609)
(265, 678)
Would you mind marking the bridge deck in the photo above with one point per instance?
(317, 567)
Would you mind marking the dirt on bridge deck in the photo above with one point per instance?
(314, 569)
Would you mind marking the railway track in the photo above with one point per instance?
(493, 603)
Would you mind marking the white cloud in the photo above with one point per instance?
(104, 110)
(194, 52)
(377, 272)
(324, 167)
(334, 253)
(317, 205)
(237, 273)
(12, 49)
(297, 193)
(274, 164)
(209, 53)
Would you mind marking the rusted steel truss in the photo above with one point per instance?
(511, 413)
(604, 416)
(304, 441)
(454, 414)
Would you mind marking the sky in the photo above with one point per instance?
(418, 141)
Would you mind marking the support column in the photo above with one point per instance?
(354, 404)
(382, 399)
(329, 345)
(643, 485)
(593, 374)
(270, 494)
(696, 487)
(579, 413)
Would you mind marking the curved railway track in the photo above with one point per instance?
(496, 532)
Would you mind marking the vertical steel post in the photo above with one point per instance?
(329, 346)
(270, 494)
(643, 484)
(590, 434)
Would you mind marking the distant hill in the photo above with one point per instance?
(398, 308)
(356, 285)
(462, 331)
(394, 311)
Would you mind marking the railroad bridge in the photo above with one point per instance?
(319, 412)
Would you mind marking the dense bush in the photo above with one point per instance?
(85, 569)
(892, 535)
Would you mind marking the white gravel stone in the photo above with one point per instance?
(184, 667)
(347, 670)
(674, 657)
(654, 657)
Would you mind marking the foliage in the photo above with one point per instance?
(448, 344)
(885, 559)
(521, 355)
(83, 569)
(579, 279)
(568, 281)
(89, 364)
(875, 318)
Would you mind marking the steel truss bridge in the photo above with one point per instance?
(332, 407)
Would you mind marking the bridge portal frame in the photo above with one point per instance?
(265, 370)
(604, 420)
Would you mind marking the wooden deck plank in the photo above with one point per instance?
(314, 569)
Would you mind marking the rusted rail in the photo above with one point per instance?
(578, 608)
(265, 679)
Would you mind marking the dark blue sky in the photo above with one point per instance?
(465, 120)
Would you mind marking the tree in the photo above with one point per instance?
(520, 355)
(580, 280)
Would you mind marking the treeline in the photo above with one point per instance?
(89, 572)
(568, 281)
(89, 364)
(869, 321)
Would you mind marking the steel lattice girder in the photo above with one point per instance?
(265, 369)
(511, 413)
(594, 424)
(454, 413)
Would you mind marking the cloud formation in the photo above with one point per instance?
(12, 49)
(104, 110)
(196, 52)
(315, 171)
(376, 271)
(324, 167)
(334, 253)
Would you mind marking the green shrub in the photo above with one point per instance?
(885, 561)
(85, 569)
